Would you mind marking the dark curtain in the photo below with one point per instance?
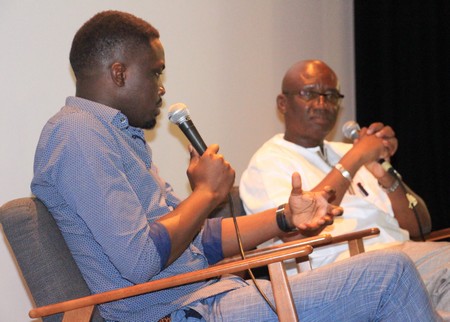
(402, 52)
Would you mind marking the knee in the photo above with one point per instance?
(398, 257)
(402, 263)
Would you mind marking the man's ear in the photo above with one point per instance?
(281, 103)
(118, 73)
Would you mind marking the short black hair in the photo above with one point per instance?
(102, 35)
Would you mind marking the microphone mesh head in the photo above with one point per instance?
(179, 113)
(351, 130)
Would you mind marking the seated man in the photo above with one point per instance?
(124, 225)
(370, 196)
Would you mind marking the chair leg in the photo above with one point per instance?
(356, 246)
(303, 264)
(79, 315)
(284, 302)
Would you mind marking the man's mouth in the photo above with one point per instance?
(158, 107)
(320, 116)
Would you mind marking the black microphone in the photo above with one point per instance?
(179, 114)
(351, 129)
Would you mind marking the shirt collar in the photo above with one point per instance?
(101, 111)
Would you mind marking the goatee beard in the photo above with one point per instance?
(149, 125)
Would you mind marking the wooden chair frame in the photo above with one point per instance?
(81, 309)
(27, 215)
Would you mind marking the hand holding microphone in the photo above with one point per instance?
(212, 169)
(351, 130)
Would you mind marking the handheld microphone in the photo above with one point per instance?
(351, 129)
(179, 114)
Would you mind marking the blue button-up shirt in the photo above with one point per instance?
(95, 174)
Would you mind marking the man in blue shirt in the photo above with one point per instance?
(124, 225)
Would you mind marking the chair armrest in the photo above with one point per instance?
(355, 240)
(356, 235)
(186, 278)
(311, 241)
(438, 235)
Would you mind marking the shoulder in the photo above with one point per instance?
(74, 123)
(276, 148)
(73, 131)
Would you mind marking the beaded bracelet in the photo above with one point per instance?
(392, 188)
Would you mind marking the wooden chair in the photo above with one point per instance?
(80, 309)
(58, 287)
(61, 293)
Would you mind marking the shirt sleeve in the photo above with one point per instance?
(212, 240)
(160, 236)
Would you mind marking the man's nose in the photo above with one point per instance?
(320, 101)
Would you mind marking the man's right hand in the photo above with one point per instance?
(370, 148)
(210, 173)
(310, 211)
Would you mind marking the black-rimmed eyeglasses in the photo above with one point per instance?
(332, 97)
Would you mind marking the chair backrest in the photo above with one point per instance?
(42, 254)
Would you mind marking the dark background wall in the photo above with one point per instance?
(403, 79)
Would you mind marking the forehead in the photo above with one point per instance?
(151, 57)
(315, 75)
(157, 49)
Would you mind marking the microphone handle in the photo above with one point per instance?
(389, 168)
(193, 136)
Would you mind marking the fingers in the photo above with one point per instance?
(310, 210)
(210, 170)
(380, 130)
(386, 132)
(391, 145)
(318, 224)
(193, 153)
(212, 149)
(328, 192)
(374, 128)
(296, 184)
(335, 210)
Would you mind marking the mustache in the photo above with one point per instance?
(322, 112)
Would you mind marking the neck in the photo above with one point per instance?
(89, 93)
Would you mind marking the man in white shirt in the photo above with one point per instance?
(371, 197)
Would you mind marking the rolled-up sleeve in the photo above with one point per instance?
(212, 240)
(161, 238)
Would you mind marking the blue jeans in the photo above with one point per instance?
(375, 286)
